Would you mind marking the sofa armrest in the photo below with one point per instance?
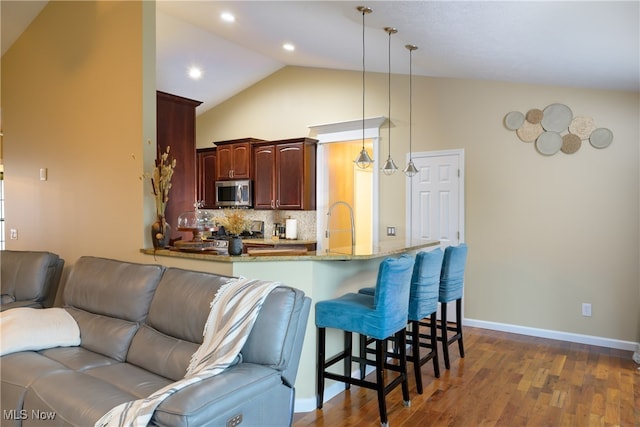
(253, 392)
(278, 334)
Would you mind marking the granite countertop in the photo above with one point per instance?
(382, 250)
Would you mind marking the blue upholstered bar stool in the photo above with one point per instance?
(423, 306)
(379, 317)
(451, 289)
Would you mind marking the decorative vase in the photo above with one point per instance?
(160, 233)
(235, 246)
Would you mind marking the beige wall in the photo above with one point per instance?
(72, 102)
(545, 233)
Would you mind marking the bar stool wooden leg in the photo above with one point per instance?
(459, 326)
(433, 328)
(415, 353)
(320, 367)
(363, 354)
(444, 338)
(348, 348)
(401, 338)
(382, 405)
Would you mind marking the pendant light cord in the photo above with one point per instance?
(389, 137)
(363, 74)
(410, 104)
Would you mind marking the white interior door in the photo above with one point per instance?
(435, 200)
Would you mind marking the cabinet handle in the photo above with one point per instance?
(278, 203)
(272, 205)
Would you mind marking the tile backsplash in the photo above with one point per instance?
(306, 220)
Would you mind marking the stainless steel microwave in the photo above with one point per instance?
(234, 193)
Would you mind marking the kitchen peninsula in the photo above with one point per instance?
(319, 274)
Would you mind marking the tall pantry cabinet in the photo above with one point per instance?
(176, 127)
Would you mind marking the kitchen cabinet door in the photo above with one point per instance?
(224, 162)
(285, 175)
(290, 176)
(241, 161)
(234, 159)
(207, 177)
(264, 176)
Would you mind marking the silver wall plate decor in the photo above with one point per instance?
(601, 138)
(549, 143)
(556, 129)
(556, 117)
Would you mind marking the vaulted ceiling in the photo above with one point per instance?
(590, 44)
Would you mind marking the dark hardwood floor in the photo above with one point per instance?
(504, 380)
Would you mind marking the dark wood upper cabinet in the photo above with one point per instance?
(264, 174)
(285, 174)
(206, 158)
(176, 127)
(234, 159)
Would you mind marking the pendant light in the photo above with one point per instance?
(411, 169)
(389, 167)
(363, 160)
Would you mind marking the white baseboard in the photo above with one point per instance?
(309, 404)
(555, 335)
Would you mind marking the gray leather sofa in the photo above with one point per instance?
(139, 325)
(29, 278)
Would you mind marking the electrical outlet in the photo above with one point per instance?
(586, 309)
(13, 234)
(391, 231)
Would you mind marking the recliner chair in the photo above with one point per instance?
(29, 278)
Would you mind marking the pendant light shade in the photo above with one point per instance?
(411, 169)
(389, 167)
(363, 160)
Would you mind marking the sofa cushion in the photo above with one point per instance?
(77, 358)
(160, 353)
(109, 299)
(165, 343)
(103, 334)
(97, 285)
(76, 398)
(18, 372)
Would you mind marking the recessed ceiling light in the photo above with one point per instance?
(227, 17)
(195, 73)
(288, 47)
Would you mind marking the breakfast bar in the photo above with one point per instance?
(321, 275)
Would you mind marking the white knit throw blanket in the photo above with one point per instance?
(234, 310)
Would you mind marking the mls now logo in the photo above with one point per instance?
(23, 414)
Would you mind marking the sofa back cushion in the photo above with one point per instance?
(28, 275)
(173, 330)
(110, 299)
